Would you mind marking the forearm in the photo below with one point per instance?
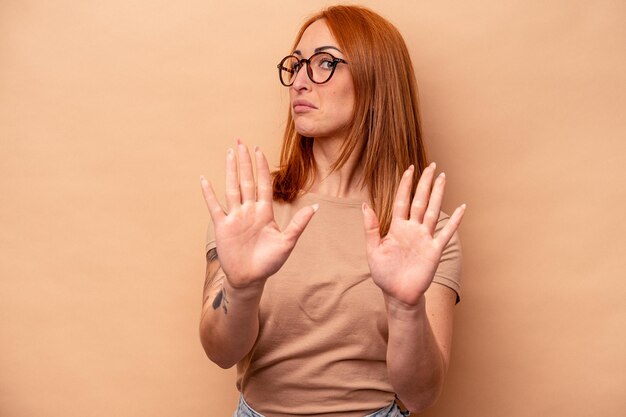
(230, 323)
(415, 363)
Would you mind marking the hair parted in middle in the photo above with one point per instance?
(385, 128)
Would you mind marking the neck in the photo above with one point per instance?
(345, 182)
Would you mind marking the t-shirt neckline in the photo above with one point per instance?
(332, 199)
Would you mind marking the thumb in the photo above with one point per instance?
(299, 221)
(372, 228)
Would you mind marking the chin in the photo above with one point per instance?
(307, 131)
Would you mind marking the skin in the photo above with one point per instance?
(403, 263)
(328, 122)
(333, 101)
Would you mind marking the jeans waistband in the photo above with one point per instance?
(391, 410)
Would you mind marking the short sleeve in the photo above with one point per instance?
(210, 239)
(449, 270)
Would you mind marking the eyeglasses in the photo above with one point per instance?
(320, 68)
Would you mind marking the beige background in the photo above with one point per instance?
(110, 111)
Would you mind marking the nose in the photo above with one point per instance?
(302, 80)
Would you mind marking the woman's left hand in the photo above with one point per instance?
(403, 263)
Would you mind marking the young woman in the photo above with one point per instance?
(332, 282)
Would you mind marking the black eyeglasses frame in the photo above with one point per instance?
(309, 72)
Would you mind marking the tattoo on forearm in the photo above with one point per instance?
(214, 280)
(220, 299)
(211, 270)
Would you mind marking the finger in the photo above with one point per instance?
(264, 187)
(403, 195)
(246, 176)
(443, 237)
(233, 197)
(372, 228)
(298, 222)
(434, 204)
(215, 209)
(422, 193)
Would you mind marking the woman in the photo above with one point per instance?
(331, 283)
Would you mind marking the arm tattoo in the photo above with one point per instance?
(214, 279)
(220, 299)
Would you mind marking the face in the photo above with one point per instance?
(321, 110)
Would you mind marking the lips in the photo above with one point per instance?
(301, 106)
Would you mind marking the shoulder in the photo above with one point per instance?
(449, 270)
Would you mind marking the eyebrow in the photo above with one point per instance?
(320, 49)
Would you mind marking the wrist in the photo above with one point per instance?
(401, 310)
(250, 292)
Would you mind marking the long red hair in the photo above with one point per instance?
(385, 121)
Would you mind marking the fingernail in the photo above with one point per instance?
(432, 165)
(229, 151)
(256, 148)
(202, 178)
(364, 206)
(315, 207)
(239, 142)
(442, 175)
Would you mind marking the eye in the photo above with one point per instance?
(327, 63)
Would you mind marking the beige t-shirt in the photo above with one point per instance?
(322, 340)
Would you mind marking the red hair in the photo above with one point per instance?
(385, 128)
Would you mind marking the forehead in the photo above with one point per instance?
(316, 35)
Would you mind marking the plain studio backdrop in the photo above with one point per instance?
(110, 112)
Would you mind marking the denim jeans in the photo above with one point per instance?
(392, 410)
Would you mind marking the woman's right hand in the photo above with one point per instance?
(250, 246)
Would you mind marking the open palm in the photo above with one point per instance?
(250, 245)
(404, 262)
